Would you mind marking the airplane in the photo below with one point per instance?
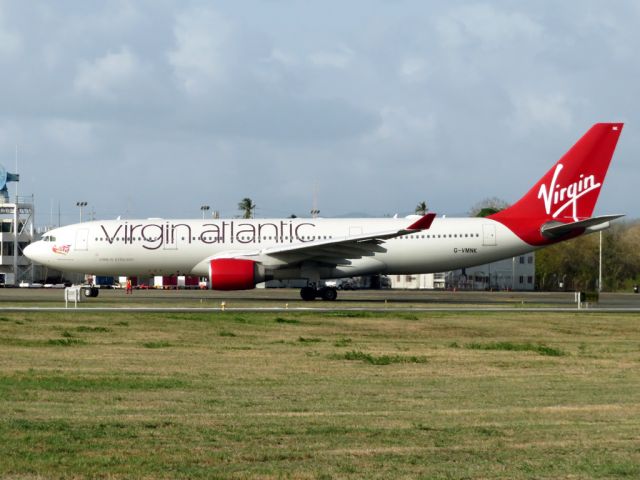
(236, 254)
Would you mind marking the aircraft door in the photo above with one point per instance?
(82, 239)
(488, 235)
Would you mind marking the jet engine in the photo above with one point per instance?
(234, 274)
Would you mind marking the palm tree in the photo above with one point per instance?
(421, 208)
(247, 207)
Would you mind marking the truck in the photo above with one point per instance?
(7, 280)
(104, 282)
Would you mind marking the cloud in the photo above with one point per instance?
(264, 99)
(549, 111)
(401, 127)
(281, 57)
(198, 58)
(239, 83)
(414, 69)
(337, 58)
(69, 135)
(10, 41)
(487, 27)
(108, 75)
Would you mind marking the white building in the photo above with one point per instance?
(517, 273)
(428, 281)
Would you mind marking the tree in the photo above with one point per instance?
(487, 207)
(247, 207)
(421, 208)
(575, 263)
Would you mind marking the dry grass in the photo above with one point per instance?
(277, 395)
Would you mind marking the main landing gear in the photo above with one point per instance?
(311, 293)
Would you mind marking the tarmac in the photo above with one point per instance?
(277, 300)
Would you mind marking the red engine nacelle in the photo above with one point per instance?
(233, 274)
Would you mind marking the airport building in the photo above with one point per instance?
(423, 281)
(16, 232)
(517, 273)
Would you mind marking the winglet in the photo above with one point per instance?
(423, 223)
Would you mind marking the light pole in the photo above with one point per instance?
(600, 265)
(204, 208)
(81, 205)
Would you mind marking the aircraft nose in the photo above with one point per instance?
(30, 251)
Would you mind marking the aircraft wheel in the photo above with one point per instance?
(308, 293)
(329, 293)
(91, 292)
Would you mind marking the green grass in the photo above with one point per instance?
(517, 347)
(84, 328)
(286, 320)
(319, 395)
(309, 340)
(342, 342)
(380, 359)
(161, 344)
(44, 380)
(226, 333)
(65, 342)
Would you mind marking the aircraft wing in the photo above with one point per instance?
(336, 251)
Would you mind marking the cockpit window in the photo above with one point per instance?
(48, 238)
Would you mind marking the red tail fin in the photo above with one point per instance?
(569, 191)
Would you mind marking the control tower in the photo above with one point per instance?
(16, 232)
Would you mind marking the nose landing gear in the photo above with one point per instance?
(91, 292)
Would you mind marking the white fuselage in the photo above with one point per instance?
(185, 247)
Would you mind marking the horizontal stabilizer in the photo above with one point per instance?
(558, 229)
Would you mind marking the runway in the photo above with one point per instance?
(278, 300)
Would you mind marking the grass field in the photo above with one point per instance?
(319, 395)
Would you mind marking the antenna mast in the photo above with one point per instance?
(17, 173)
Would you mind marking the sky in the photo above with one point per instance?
(152, 108)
